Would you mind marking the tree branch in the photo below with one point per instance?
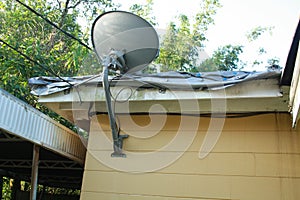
(75, 5)
(59, 4)
(64, 14)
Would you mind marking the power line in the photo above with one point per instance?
(35, 62)
(51, 23)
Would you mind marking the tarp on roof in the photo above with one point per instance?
(173, 80)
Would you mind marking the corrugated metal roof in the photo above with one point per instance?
(20, 119)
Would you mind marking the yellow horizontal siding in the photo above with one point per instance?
(126, 196)
(263, 122)
(187, 186)
(229, 141)
(236, 164)
(280, 165)
(189, 164)
(255, 157)
(159, 184)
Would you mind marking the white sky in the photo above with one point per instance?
(234, 20)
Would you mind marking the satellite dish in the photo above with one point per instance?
(127, 37)
(125, 42)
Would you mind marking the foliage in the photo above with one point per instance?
(227, 58)
(6, 189)
(273, 61)
(204, 18)
(145, 11)
(254, 35)
(207, 65)
(40, 41)
(181, 44)
(273, 64)
(256, 32)
(176, 49)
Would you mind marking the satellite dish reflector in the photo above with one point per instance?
(132, 37)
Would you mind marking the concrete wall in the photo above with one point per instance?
(255, 157)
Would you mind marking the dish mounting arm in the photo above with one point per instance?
(112, 62)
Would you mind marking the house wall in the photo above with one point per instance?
(255, 157)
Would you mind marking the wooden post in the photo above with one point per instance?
(34, 172)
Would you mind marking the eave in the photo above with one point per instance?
(264, 95)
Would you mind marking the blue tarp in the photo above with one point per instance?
(173, 80)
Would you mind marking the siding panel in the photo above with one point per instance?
(256, 157)
(159, 184)
(118, 196)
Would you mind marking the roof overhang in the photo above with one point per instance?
(294, 101)
(287, 74)
(290, 76)
(263, 95)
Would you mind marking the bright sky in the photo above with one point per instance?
(234, 20)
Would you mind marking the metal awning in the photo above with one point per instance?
(61, 152)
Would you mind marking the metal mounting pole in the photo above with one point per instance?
(117, 138)
(34, 172)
